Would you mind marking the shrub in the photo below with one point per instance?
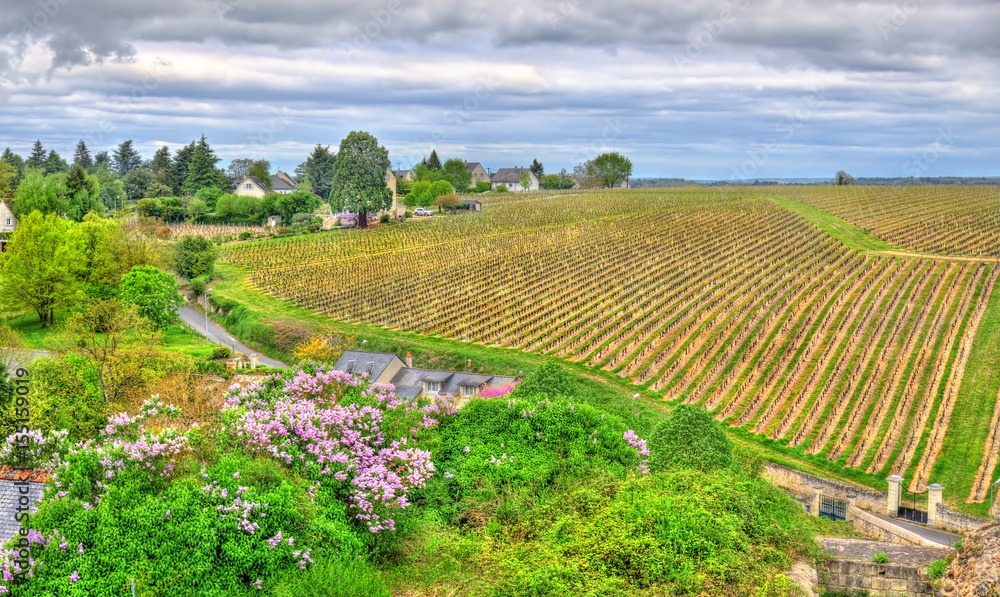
(548, 381)
(384, 218)
(194, 256)
(689, 438)
(246, 235)
(937, 569)
(482, 186)
(880, 558)
(957, 545)
(221, 352)
(441, 187)
(501, 188)
(197, 286)
(408, 214)
(153, 292)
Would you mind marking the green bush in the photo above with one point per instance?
(197, 286)
(441, 187)
(66, 394)
(482, 186)
(880, 558)
(689, 438)
(548, 381)
(937, 568)
(384, 218)
(501, 188)
(246, 235)
(221, 352)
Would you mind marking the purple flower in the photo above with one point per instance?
(74, 577)
(79, 549)
(236, 475)
(259, 584)
(448, 475)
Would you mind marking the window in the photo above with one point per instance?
(468, 390)
(10, 222)
(432, 387)
(248, 185)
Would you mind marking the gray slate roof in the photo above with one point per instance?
(9, 494)
(508, 175)
(471, 166)
(260, 183)
(278, 183)
(372, 363)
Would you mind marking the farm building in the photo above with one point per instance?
(411, 382)
(511, 178)
(273, 221)
(8, 222)
(472, 205)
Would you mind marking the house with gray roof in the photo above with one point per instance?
(8, 221)
(511, 178)
(282, 183)
(411, 382)
(477, 171)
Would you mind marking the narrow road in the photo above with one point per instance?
(943, 538)
(216, 334)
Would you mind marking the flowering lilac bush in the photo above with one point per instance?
(328, 426)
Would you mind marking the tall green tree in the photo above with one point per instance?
(434, 162)
(261, 169)
(8, 180)
(612, 168)
(182, 160)
(112, 189)
(162, 167)
(37, 157)
(359, 177)
(317, 170)
(457, 174)
(101, 158)
(83, 193)
(103, 249)
(55, 164)
(194, 256)
(153, 292)
(202, 171)
(37, 192)
(14, 160)
(39, 268)
(81, 157)
(537, 168)
(136, 183)
(125, 158)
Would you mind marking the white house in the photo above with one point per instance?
(251, 186)
(511, 178)
(8, 223)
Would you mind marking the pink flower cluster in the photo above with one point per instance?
(308, 430)
(497, 391)
(640, 446)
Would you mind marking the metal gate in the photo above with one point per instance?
(908, 506)
(832, 508)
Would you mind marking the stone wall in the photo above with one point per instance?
(956, 520)
(874, 526)
(883, 580)
(805, 483)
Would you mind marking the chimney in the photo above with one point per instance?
(409, 360)
(468, 365)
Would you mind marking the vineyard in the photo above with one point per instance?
(950, 220)
(717, 298)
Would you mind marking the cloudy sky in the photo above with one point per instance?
(700, 89)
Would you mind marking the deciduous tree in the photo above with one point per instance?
(153, 292)
(359, 177)
(39, 267)
(37, 192)
(613, 168)
(194, 256)
(457, 174)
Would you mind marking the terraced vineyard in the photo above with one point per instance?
(728, 300)
(952, 220)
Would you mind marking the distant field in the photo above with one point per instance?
(950, 219)
(752, 306)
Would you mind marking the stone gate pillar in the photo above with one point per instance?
(892, 504)
(816, 499)
(254, 360)
(933, 499)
